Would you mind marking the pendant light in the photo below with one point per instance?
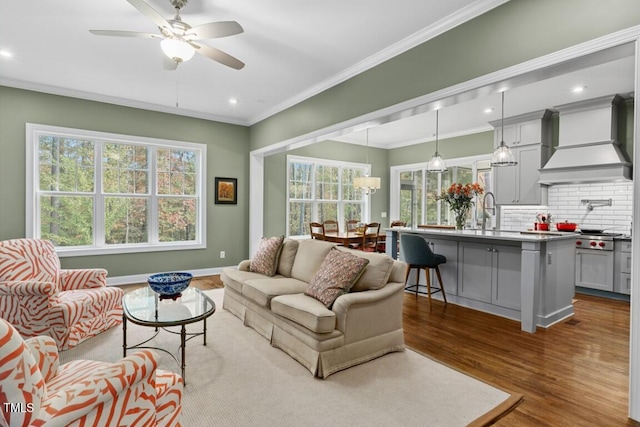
(369, 184)
(502, 156)
(436, 164)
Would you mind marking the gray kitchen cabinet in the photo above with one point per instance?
(525, 129)
(529, 137)
(448, 270)
(518, 185)
(498, 285)
(622, 262)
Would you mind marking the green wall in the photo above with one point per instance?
(227, 156)
(515, 32)
(461, 146)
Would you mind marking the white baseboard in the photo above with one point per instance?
(142, 278)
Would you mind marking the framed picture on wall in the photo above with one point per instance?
(226, 191)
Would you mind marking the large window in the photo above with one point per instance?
(415, 191)
(92, 192)
(319, 190)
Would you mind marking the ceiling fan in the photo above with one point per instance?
(179, 39)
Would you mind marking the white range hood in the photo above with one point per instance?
(588, 149)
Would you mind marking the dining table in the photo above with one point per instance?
(345, 238)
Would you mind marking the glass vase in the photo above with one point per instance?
(461, 218)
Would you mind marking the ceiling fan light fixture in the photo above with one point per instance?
(177, 50)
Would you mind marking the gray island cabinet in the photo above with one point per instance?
(524, 276)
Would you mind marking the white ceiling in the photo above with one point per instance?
(292, 50)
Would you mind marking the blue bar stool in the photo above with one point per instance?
(416, 252)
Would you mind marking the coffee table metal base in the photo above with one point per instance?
(183, 341)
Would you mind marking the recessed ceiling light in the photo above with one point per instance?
(5, 53)
(578, 89)
(233, 101)
(488, 110)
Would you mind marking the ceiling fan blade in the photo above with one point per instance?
(214, 30)
(168, 63)
(117, 33)
(150, 13)
(219, 56)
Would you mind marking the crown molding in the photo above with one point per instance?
(88, 96)
(442, 26)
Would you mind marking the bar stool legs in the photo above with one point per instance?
(428, 278)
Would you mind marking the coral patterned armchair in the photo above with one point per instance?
(36, 391)
(40, 298)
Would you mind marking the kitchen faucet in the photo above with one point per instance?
(484, 208)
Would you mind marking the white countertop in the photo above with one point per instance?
(510, 235)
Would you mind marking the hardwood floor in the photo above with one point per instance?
(575, 373)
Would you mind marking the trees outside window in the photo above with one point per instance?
(95, 193)
(319, 190)
(417, 201)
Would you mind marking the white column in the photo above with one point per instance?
(256, 201)
(530, 286)
(634, 344)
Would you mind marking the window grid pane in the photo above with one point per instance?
(126, 220)
(124, 169)
(67, 220)
(327, 182)
(66, 164)
(300, 181)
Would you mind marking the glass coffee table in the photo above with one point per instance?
(144, 307)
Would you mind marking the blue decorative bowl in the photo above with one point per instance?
(169, 285)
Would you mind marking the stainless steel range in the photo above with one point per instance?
(595, 260)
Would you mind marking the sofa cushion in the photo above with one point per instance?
(336, 276)
(305, 311)
(261, 291)
(265, 261)
(377, 272)
(287, 256)
(234, 278)
(309, 256)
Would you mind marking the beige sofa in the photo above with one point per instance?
(362, 324)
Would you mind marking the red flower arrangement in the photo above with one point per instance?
(460, 199)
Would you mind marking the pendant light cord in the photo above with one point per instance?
(437, 121)
(502, 122)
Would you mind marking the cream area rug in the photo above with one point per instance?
(238, 379)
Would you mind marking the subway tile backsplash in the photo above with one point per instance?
(564, 205)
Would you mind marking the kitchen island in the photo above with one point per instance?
(525, 276)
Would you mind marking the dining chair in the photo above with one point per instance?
(417, 253)
(351, 226)
(317, 230)
(370, 235)
(330, 226)
(398, 223)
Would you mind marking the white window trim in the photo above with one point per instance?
(395, 171)
(32, 216)
(366, 168)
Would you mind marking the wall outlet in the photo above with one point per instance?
(383, 214)
(223, 254)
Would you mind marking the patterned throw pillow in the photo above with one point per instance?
(336, 275)
(265, 261)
